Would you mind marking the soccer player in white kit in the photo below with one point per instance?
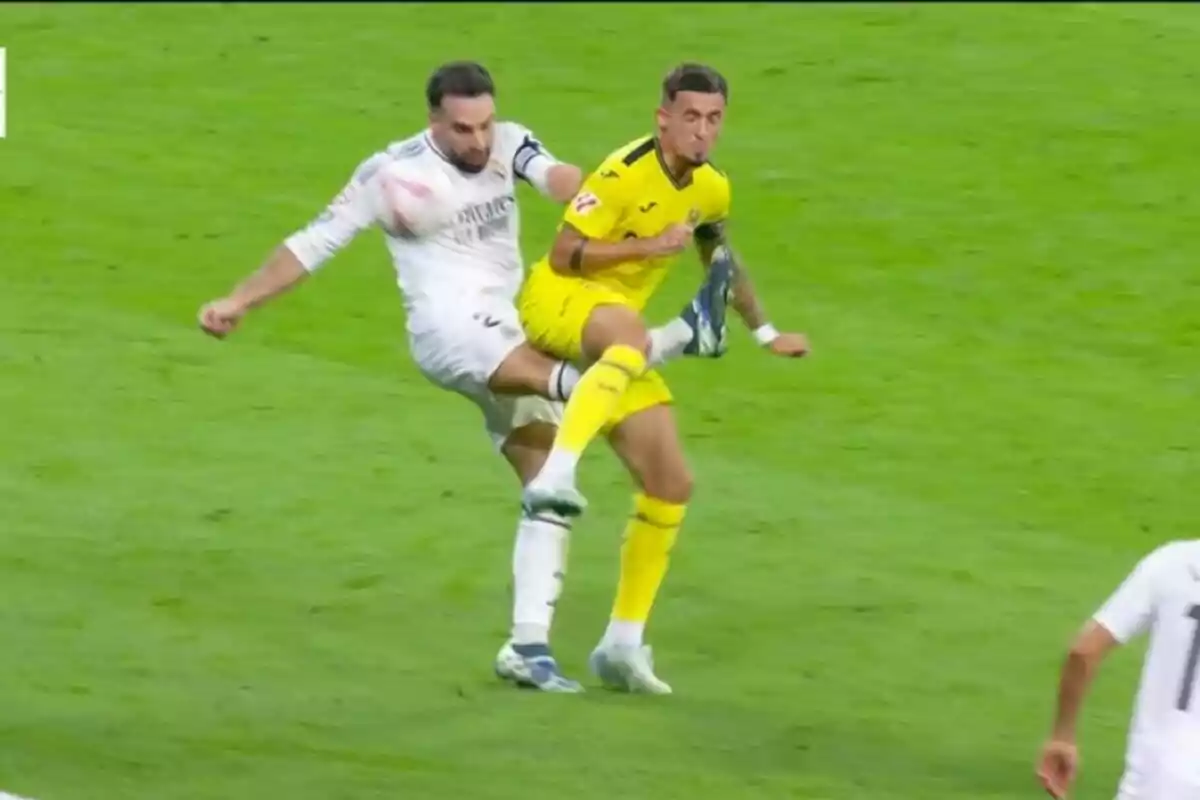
(1162, 762)
(445, 200)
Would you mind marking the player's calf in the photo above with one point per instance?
(615, 337)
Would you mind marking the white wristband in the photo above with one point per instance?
(766, 333)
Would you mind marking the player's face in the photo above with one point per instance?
(464, 128)
(691, 123)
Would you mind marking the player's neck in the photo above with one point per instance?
(678, 169)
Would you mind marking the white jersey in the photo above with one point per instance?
(477, 249)
(1162, 595)
(460, 273)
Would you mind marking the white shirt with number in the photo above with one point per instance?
(1162, 596)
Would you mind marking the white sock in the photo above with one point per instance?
(667, 342)
(539, 564)
(559, 467)
(563, 379)
(623, 632)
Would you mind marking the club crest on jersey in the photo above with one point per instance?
(499, 170)
(584, 202)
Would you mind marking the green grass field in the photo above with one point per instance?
(278, 566)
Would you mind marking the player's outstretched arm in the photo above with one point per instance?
(281, 272)
(712, 242)
(1059, 759)
(351, 212)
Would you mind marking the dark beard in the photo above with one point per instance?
(463, 166)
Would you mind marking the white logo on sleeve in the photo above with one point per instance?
(584, 203)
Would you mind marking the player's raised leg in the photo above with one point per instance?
(698, 331)
(649, 445)
(701, 328)
(539, 566)
(615, 340)
(529, 371)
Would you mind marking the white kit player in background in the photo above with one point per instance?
(445, 201)
(1162, 762)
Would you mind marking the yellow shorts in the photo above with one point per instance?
(554, 311)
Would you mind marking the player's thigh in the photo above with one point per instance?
(460, 347)
(645, 437)
(555, 311)
(613, 324)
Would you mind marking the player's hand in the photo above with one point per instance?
(790, 345)
(1057, 766)
(674, 239)
(220, 317)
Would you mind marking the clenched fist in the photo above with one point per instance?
(220, 317)
(672, 240)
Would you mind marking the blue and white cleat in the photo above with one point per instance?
(533, 666)
(706, 314)
(564, 500)
(627, 669)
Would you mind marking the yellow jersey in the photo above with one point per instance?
(632, 194)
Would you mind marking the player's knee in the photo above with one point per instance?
(683, 485)
(672, 485)
(628, 359)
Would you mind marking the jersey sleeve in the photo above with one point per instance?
(712, 227)
(1130, 609)
(600, 204)
(354, 210)
(532, 161)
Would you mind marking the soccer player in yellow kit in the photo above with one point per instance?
(583, 302)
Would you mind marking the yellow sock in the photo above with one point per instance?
(596, 396)
(649, 538)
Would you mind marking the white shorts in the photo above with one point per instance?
(458, 346)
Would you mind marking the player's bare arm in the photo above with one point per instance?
(297, 256)
(575, 254)
(1059, 759)
(281, 272)
(563, 182)
(710, 239)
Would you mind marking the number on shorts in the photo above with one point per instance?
(487, 320)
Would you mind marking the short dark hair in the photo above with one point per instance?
(694, 78)
(458, 79)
